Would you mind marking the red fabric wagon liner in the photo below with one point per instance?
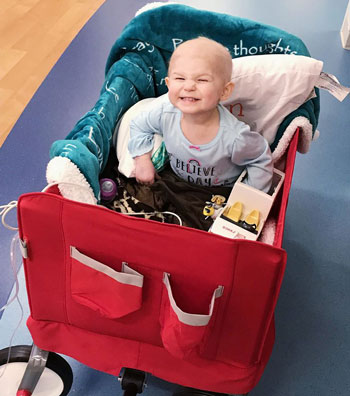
(232, 286)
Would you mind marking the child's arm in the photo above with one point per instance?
(252, 151)
(142, 130)
(144, 169)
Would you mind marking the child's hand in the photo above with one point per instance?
(144, 169)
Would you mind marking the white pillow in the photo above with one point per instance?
(122, 135)
(269, 87)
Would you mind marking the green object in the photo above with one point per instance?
(160, 158)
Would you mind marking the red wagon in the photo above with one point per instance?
(187, 306)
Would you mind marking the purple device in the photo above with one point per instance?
(108, 189)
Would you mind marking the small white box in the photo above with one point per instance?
(251, 199)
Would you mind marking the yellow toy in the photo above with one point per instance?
(233, 213)
(208, 210)
(251, 222)
(212, 208)
(218, 200)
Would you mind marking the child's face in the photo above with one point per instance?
(195, 84)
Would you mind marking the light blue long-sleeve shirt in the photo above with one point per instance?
(217, 163)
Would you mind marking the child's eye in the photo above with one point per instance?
(179, 78)
(202, 80)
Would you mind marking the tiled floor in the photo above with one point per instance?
(311, 354)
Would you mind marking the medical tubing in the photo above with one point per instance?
(14, 269)
(129, 214)
(5, 209)
(155, 213)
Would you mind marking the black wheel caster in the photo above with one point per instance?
(55, 380)
(132, 381)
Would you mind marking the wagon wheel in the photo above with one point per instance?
(56, 379)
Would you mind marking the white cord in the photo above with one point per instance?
(155, 213)
(4, 210)
(14, 269)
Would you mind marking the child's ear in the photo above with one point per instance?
(228, 89)
(166, 81)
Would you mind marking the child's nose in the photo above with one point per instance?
(190, 85)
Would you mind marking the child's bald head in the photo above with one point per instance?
(213, 52)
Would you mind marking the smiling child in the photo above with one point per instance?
(206, 144)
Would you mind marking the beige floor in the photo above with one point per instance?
(33, 35)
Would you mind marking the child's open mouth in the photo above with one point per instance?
(189, 99)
